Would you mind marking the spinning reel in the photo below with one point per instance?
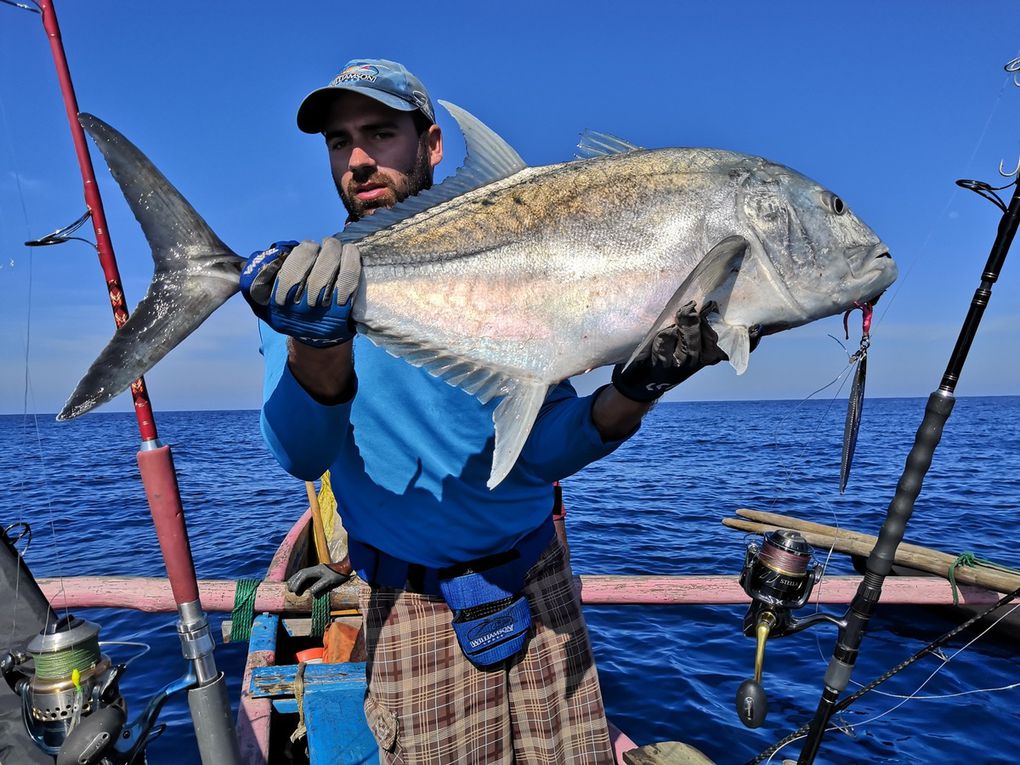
(779, 574)
(70, 701)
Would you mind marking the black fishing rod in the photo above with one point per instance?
(936, 413)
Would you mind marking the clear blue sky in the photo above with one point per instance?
(884, 103)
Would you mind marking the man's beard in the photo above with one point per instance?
(418, 178)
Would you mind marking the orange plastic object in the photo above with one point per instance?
(310, 654)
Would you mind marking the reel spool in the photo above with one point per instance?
(70, 678)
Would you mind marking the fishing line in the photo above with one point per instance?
(144, 646)
(934, 672)
(945, 660)
(887, 305)
(27, 377)
(928, 649)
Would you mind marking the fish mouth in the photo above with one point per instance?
(865, 260)
(873, 264)
(877, 268)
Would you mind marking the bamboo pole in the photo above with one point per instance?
(854, 543)
(153, 594)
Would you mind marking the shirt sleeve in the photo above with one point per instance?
(304, 435)
(564, 438)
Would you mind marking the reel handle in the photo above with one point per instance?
(752, 703)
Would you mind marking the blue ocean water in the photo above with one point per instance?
(653, 507)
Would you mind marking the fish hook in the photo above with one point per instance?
(1016, 169)
(1013, 67)
(867, 312)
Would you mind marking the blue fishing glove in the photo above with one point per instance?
(319, 579)
(676, 353)
(304, 290)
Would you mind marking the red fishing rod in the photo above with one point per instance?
(207, 693)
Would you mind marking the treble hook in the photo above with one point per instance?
(1013, 67)
(1016, 169)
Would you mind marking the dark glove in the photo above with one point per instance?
(676, 353)
(319, 579)
(304, 290)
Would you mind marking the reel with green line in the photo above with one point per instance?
(63, 677)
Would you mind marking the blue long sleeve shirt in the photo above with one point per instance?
(409, 456)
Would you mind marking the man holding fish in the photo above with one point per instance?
(477, 647)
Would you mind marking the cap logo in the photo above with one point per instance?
(423, 103)
(361, 72)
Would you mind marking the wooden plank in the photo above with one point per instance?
(254, 715)
(154, 595)
(338, 733)
(854, 543)
(666, 753)
(272, 682)
(292, 551)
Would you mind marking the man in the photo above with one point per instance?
(478, 651)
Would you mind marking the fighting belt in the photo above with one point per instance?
(491, 616)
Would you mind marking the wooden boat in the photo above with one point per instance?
(327, 699)
(279, 695)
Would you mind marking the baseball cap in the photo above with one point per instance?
(387, 82)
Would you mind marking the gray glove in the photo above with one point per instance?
(318, 579)
(677, 352)
(304, 290)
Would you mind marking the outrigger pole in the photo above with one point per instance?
(936, 413)
(207, 694)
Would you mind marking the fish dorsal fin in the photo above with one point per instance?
(596, 144)
(512, 418)
(712, 279)
(488, 159)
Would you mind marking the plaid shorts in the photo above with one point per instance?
(428, 705)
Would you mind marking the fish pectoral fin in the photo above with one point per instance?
(513, 416)
(596, 144)
(734, 341)
(513, 420)
(712, 279)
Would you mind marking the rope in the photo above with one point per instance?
(299, 696)
(970, 559)
(320, 614)
(243, 615)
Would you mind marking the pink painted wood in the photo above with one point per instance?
(621, 741)
(254, 716)
(154, 594)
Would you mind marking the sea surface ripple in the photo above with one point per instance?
(653, 507)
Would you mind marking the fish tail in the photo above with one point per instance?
(195, 273)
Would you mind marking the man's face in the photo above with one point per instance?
(376, 154)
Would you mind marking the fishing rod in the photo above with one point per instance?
(939, 407)
(206, 686)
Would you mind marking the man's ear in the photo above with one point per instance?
(435, 144)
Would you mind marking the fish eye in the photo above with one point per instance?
(837, 205)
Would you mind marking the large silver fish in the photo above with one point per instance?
(506, 279)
